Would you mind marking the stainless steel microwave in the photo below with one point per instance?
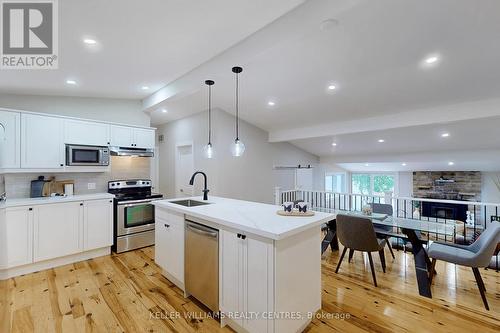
(87, 155)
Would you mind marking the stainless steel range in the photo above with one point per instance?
(134, 214)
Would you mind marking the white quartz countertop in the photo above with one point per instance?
(49, 200)
(252, 217)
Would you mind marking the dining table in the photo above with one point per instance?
(406, 229)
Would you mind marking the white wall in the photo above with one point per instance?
(250, 177)
(125, 111)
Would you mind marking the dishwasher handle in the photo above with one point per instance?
(201, 230)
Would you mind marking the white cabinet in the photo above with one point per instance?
(144, 138)
(246, 278)
(41, 142)
(18, 233)
(86, 133)
(124, 136)
(98, 224)
(169, 244)
(10, 139)
(57, 230)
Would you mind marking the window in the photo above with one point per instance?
(372, 184)
(335, 182)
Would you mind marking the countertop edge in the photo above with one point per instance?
(18, 202)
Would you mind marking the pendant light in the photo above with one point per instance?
(237, 148)
(208, 150)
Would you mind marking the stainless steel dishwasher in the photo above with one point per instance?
(202, 264)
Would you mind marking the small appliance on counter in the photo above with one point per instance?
(48, 188)
(134, 214)
(40, 188)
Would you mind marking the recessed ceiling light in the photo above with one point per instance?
(90, 41)
(381, 140)
(144, 87)
(271, 103)
(164, 110)
(334, 144)
(445, 135)
(451, 163)
(431, 60)
(332, 87)
(72, 82)
(403, 164)
(366, 164)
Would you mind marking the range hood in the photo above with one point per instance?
(129, 151)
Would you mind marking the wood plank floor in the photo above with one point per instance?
(123, 293)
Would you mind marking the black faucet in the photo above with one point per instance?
(205, 191)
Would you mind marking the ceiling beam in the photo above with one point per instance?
(428, 116)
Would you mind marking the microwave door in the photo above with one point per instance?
(82, 156)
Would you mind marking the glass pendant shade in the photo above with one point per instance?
(208, 150)
(237, 148)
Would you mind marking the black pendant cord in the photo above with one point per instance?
(237, 70)
(209, 83)
(210, 115)
(237, 109)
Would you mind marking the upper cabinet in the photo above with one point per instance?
(41, 142)
(10, 139)
(31, 142)
(123, 136)
(144, 138)
(86, 133)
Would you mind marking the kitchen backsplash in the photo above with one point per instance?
(17, 185)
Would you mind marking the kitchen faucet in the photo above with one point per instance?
(205, 191)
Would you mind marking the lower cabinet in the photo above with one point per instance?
(18, 231)
(57, 230)
(97, 224)
(169, 244)
(246, 280)
(41, 232)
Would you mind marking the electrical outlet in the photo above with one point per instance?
(91, 186)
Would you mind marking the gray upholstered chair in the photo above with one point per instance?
(357, 233)
(476, 255)
(380, 209)
(388, 210)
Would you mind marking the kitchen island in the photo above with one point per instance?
(269, 266)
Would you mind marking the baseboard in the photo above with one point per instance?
(42, 265)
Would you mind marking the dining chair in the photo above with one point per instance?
(380, 209)
(476, 255)
(388, 210)
(357, 233)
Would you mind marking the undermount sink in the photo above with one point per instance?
(190, 203)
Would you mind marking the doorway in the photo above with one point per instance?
(184, 168)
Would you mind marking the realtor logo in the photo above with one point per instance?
(29, 34)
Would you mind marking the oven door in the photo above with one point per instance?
(135, 216)
(86, 155)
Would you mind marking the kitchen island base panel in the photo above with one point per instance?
(297, 278)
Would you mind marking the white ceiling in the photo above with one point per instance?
(373, 56)
(140, 43)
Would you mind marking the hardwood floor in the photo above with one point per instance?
(124, 293)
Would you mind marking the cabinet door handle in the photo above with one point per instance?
(243, 236)
(61, 164)
(238, 235)
(30, 209)
(81, 203)
(167, 225)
